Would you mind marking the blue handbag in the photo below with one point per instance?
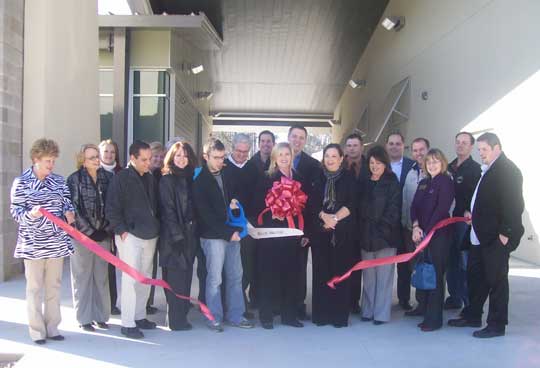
(424, 276)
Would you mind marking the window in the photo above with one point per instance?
(106, 85)
(150, 105)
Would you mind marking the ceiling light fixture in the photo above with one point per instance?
(393, 23)
(356, 83)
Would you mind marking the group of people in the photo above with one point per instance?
(167, 206)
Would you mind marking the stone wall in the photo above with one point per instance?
(11, 86)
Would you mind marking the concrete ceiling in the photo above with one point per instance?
(283, 56)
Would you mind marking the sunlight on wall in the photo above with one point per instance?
(514, 118)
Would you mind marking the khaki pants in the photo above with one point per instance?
(43, 281)
(90, 284)
(139, 254)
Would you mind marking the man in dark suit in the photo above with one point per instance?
(401, 165)
(309, 169)
(497, 205)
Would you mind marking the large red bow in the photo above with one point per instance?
(285, 200)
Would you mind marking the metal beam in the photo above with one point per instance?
(121, 90)
(270, 123)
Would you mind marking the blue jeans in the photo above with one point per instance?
(456, 276)
(223, 257)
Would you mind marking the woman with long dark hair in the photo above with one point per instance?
(178, 241)
(333, 207)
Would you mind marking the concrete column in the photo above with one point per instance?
(11, 83)
(61, 77)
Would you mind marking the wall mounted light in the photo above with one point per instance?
(393, 23)
(196, 69)
(206, 95)
(357, 83)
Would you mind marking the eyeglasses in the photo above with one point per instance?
(92, 158)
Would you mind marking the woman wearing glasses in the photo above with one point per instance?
(89, 273)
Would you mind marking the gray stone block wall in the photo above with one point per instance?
(11, 84)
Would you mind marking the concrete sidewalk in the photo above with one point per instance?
(396, 344)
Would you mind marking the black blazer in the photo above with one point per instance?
(309, 168)
(405, 168)
(379, 213)
(132, 208)
(499, 204)
(211, 206)
(177, 242)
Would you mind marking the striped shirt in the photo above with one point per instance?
(38, 237)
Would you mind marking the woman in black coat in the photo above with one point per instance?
(332, 206)
(178, 243)
(277, 263)
(379, 224)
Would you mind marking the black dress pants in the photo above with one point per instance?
(277, 278)
(487, 276)
(112, 279)
(302, 261)
(330, 306)
(248, 252)
(404, 269)
(432, 301)
(180, 281)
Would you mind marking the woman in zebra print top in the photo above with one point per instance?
(40, 243)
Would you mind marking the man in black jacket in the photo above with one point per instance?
(255, 167)
(309, 169)
(220, 242)
(132, 211)
(497, 205)
(466, 173)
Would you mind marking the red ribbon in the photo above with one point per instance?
(118, 263)
(285, 200)
(395, 259)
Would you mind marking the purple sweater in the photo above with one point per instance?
(432, 201)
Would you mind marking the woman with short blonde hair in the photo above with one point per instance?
(89, 273)
(40, 243)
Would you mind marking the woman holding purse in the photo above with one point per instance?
(431, 204)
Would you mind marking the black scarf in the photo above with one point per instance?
(329, 201)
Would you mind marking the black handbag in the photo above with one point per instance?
(424, 276)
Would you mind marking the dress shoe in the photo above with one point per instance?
(420, 325)
(182, 327)
(131, 332)
(340, 325)
(405, 305)
(151, 310)
(267, 325)
(102, 325)
(425, 328)
(488, 332)
(88, 327)
(57, 338)
(414, 313)
(462, 322)
(294, 323)
(378, 323)
(115, 311)
(145, 324)
(40, 341)
(366, 319)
